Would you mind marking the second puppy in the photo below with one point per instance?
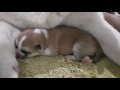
(113, 20)
(70, 42)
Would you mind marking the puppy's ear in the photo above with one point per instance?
(24, 33)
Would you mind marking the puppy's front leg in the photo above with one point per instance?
(70, 57)
(50, 52)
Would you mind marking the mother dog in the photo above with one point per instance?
(12, 22)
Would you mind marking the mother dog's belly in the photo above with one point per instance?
(26, 20)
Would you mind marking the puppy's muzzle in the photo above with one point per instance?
(20, 56)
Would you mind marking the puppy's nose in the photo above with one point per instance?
(17, 55)
(20, 56)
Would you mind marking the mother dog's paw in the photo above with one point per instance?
(9, 70)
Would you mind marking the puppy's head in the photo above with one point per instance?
(31, 43)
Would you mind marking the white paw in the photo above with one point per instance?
(70, 57)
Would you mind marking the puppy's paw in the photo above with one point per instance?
(50, 52)
(70, 57)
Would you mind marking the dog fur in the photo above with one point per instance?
(8, 64)
(113, 20)
(93, 22)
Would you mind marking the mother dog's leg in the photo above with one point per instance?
(94, 22)
(8, 63)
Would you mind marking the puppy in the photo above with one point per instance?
(114, 20)
(70, 42)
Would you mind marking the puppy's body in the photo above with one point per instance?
(67, 40)
(71, 42)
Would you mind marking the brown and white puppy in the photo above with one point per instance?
(70, 42)
(114, 20)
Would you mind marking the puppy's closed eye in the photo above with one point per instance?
(38, 47)
(25, 52)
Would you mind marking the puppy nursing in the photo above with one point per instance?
(70, 42)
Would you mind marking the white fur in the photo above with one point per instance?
(92, 22)
(116, 13)
(27, 20)
(37, 31)
(33, 54)
(70, 57)
(76, 50)
(47, 52)
(21, 42)
(7, 51)
(44, 31)
(26, 48)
